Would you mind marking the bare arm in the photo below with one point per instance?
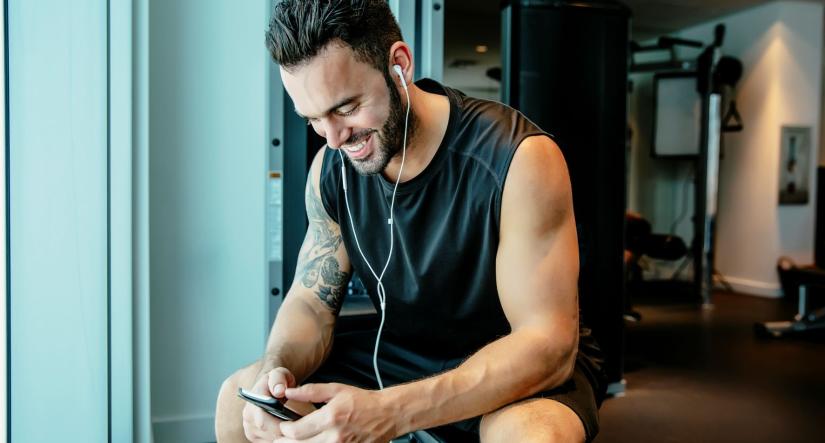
(537, 272)
(536, 276)
(301, 336)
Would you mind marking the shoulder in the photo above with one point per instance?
(538, 158)
(323, 182)
(491, 132)
(324, 166)
(316, 169)
(537, 187)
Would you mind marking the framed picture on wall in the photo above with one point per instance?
(794, 165)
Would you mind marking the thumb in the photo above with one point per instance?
(313, 393)
(258, 418)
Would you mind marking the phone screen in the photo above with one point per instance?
(269, 404)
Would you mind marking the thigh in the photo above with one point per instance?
(532, 420)
(568, 410)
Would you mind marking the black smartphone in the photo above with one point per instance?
(269, 404)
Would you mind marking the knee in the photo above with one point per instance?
(532, 421)
(229, 408)
(232, 383)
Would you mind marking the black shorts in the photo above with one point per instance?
(350, 362)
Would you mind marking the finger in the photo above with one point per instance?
(278, 380)
(265, 421)
(314, 393)
(262, 430)
(320, 438)
(250, 417)
(260, 386)
(258, 418)
(308, 426)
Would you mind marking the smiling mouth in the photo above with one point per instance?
(357, 150)
(356, 147)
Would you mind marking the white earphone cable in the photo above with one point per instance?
(382, 295)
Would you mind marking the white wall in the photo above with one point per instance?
(208, 144)
(780, 45)
(3, 281)
(58, 154)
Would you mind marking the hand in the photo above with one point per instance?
(350, 415)
(260, 426)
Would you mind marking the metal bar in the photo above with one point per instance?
(108, 222)
(710, 195)
(121, 226)
(671, 66)
(7, 223)
(141, 280)
(431, 52)
(803, 302)
(275, 164)
(404, 11)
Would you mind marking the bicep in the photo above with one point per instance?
(537, 262)
(323, 268)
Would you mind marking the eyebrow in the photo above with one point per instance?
(341, 103)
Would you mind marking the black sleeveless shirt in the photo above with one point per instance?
(442, 300)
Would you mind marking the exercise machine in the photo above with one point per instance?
(714, 73)
(804, 280)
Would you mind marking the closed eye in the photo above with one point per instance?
(347, 113)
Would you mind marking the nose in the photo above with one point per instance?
(335, 132)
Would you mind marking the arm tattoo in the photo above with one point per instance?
(317, 257)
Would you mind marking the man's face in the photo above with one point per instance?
(351, 104)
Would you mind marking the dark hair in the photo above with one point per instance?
(299, 29)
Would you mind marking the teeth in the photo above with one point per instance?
(356, 148)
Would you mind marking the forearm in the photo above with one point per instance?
(300, 338)
(508, 369)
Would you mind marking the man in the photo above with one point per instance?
(481, 315)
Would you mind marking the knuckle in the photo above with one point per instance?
(334, 416)
(339, 417)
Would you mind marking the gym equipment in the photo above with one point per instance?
(640, 240)
(819, 245)
(801, 279)
(714, 74)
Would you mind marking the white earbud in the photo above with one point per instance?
(400, 73)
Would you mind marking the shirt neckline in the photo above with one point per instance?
(437, 161)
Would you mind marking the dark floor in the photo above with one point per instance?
(696, 375)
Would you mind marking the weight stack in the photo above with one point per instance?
(565, 66)
(819, 247)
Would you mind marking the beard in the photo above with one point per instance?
(389, 140)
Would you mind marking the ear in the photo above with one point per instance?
(401, 55)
